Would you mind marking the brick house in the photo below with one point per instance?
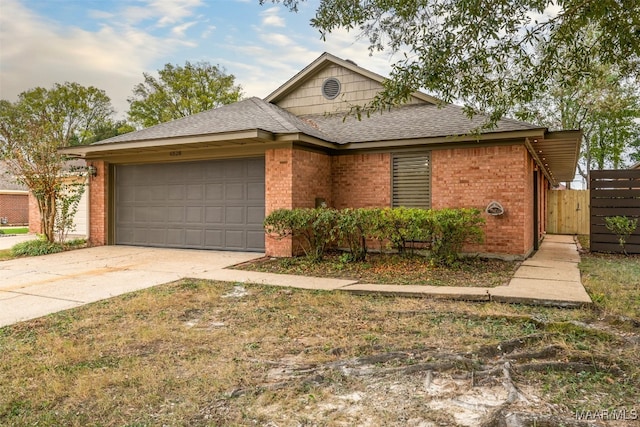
(14, 199)
(207, 180)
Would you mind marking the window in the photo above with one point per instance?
(411, 180)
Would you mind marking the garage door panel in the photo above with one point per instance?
(214, 192)
(234, 215)
(214, 215)
(255, 216)
(214, 238)
(255, 191)
(234, 239)
(211, 204)
(235, 191)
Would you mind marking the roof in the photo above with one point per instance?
(408, 122)
(7, 179)
(255, 120)
(636, 166)
(249, 114)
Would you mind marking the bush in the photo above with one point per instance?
(313, 228)
(36, 247)
(402, 227)
(452, 228)
(352, 228)
(622, 227)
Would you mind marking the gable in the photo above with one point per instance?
(303, 95)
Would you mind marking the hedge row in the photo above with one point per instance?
(443, 232)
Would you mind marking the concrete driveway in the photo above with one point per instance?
(36, 286)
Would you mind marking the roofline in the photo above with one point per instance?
(250, 134)
(323, 61)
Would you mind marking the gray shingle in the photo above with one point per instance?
(407, 122)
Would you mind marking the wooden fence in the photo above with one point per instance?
(568, 212)
(614, 193)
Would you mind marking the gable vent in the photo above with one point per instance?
(331, 88)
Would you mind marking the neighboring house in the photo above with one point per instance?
(73, 172)
(636, 166)
(14, 199)
(207, 181)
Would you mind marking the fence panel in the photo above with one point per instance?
(614, 193)
(568, 212)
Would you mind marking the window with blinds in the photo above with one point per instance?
(412, 180)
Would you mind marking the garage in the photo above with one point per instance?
(214, 204)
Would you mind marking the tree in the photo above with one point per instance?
(39, 123)
(605, 105)
(492, 54)
(180, 92)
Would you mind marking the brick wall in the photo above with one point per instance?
(98, 204)
(278, 189)
(15, 208)
(34, 215)
(294, 179)
(473, 177)
(361, 180)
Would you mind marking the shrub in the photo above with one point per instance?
(36, 247)
(402, 227)
(622, 227)
(312, 226)
(452, 228)
(351, 229)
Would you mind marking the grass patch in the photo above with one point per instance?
(192, 353)
(394, 269)
(14, 230)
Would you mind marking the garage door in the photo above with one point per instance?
(215, 204)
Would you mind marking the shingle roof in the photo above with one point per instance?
(7, 180)
(249, 114)
(407, 122)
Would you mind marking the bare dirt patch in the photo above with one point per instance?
(394, 270)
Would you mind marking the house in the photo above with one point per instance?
(207, 180)
(14, 199)
(635, 166)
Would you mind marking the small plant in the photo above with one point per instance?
(36, 247)
(622, 227)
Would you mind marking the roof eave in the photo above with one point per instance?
(218, 139)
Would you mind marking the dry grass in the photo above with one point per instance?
(203, 353)
(394, 270)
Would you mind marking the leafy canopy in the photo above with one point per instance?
(180, 92)
(492, 54)
(41, 121)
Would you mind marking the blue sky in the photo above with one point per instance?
(110, 43)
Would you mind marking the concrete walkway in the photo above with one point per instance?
(550, 277)
(36, 286)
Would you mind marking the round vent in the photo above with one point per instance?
(331, 88)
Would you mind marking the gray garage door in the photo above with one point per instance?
(216, 204)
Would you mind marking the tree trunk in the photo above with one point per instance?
(47, 208)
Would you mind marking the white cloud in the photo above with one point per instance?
(37, 52)
(271, 18)
(179, 30)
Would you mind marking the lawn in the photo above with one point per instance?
(14, 230)
(204, 353)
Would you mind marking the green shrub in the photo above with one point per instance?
(401, 227)
(452, 228)
(351, 229)
(313, 228)
(622, 227)
(36, 247)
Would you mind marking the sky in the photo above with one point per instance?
(109, 44)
